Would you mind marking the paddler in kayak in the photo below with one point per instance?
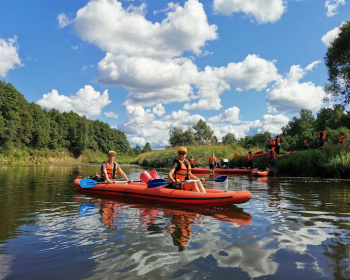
(181, 171)
(110, 168)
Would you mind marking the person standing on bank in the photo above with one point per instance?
(192, 161)
(181, 171)
(110, 168)
(212, 162)
(306, 143)
(278, 144)
(341, 139)
(250, 160)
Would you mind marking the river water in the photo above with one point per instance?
(290, 229)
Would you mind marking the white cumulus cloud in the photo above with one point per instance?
(231, 115)
(263, 11)
(332, 6)
(87, 101)
(290, 96)
(127, 31)
(111, 115)
(328, 38)
(63, 20)
(9, 58)
(159, 110)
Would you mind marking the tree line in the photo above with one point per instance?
(330, 120)
(24, 124)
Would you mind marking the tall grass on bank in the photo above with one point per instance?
(26, 155)
(331, 163)
(339, 166)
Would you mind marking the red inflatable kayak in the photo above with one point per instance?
(258, 154)
(202, 170)
(140, 190)
(261, 173)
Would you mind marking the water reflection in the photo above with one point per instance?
(289, 229)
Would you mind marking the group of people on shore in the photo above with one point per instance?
(321, 140)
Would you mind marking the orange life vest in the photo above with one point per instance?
(192, 160)
(212, 159)
(112, 174)
(278, 140)
(341, 139)
(274, 153)
(183, 170)
(324, 135)
(250, 157)
(305, 143)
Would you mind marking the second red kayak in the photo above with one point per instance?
(202, 170)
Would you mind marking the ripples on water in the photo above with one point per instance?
(290, 229)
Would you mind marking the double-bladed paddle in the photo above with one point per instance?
(89, 183)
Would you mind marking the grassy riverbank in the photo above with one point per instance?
(333, 162)
(59, 156)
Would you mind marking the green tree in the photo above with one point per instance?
(180, 138)
(330, 117)
(147, 148)
(229, 138)
(202, 132)
(338, 63)
(137, 150)
(41, 126)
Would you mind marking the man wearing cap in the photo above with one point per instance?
(110, 168)
(181, 171)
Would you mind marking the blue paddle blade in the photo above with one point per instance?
(221, 179)
(156, 183)
(87, 183)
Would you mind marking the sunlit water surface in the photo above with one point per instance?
(290, 229)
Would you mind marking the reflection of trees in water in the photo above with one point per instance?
(338, 254)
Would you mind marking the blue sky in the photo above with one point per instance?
(145, 67)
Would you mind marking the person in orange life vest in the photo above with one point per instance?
(306, 143)
(192, 161)
(273, 157)
(181, 171)
(250, 160)
(278, 144)
(321, 140)
(110, 168)
(212, 163)
(341, 139)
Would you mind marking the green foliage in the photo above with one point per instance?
(229, 138)
(258, 140)
(339, 166)
(147, 148)
(24, 125)
(338, 63)
(180, 138)
(202, 132)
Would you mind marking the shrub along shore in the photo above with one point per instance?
(333, 162)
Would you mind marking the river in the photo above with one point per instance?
(290, 229)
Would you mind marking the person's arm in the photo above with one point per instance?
(170, 175)
(192, 176)
(123, 174)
